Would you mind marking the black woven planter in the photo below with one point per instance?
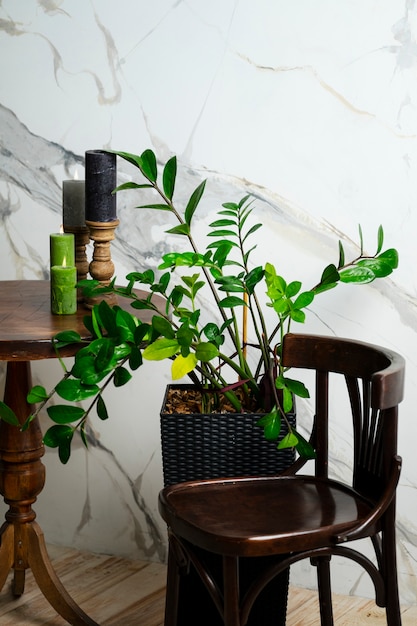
(198, 446)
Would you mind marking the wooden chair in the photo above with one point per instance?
(292, 517)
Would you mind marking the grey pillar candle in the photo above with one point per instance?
(73, 203)
(100, 180)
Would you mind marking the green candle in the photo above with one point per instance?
(63, 291)
(62, 249)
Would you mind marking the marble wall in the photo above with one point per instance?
(309, 106)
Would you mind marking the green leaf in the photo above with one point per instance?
(292, 288)
(84, 369)
(341, 255)
(134, 159)
(83, 435)
(132, 185)
(380, 239)
(185, 336)
(193, 202)
(163, 283)
(289, 441)
(206, 351)
(330, 275)
(281, 306)
(304, 447)
(304, 300)
(222, 252)
(64, 451)
(168, 177)
(163, 327)
(190, 280)
(253, 278)
(213, 334)
(121, 351)
(183, 365)
(155, 207)
(357, 274)
(146, 278)
(179, 259)
(390, 256)
(106, 316)
(148, 165)
(126, 325)
(65, 413)
(378, 266)
(95, 320)
(297, 316)
(66, 337)
(142, 305)
(296, 387)
(181, 229)
(142, 333)
(221, 223)
(88, 285)
(135, 359)
(231, 206)
(287, 400)
(37, 394)
(105, 356)
(7, 415)
(233, 285)
(60, 437)
(101, 408)
(222, 233)
(252, 230)
(88, 324)
(361, 238)
(121, 376)
(271, 423)
(231, 301)
(324, 287)
(161, 349)
(73, 390)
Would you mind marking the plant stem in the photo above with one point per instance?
(206, 272)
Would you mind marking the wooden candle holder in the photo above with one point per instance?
(81, 239)
(101, 267)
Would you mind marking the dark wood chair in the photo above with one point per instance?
(292, 517)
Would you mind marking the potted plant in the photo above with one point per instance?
(229, 373)
(215, 353)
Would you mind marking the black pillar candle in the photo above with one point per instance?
(100, 180)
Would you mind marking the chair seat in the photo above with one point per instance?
(304, 513)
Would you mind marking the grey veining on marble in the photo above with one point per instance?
(309, 107)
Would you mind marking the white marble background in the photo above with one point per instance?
(311, 106)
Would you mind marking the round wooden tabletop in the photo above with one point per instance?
(27, 324)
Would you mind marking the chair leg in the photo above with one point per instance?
(231, 591)
(393, 611)
(325, 590)
(172, 588)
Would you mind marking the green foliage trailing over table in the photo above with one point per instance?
(215, 352)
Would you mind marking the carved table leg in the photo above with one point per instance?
(22, 478)
(6, 552)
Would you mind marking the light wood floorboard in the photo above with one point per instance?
(119, 592)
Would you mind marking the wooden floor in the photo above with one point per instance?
(118, 592)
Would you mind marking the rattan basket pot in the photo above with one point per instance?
(198, 446)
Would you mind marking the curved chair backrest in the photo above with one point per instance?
(375, 384)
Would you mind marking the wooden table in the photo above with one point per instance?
(26, 329)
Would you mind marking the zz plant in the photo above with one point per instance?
(215, 353)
